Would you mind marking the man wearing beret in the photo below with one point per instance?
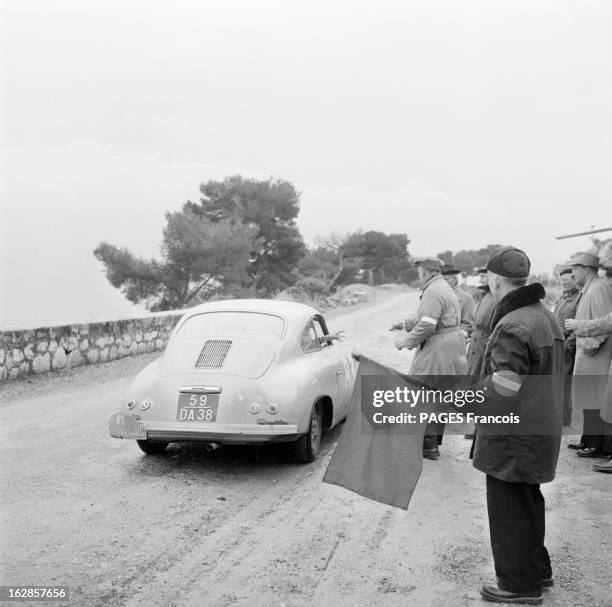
(435, 333)
(565, 308)
(522, 373)
(466, 301)
(593, 355)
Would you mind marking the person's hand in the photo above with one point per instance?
(398, 326)
(589, 345)
(410, 323)
(571, 324)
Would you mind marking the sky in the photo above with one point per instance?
(458, 123)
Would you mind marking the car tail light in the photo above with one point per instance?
(254, 408)
(131, 404)
(272, 408)
(146, 404)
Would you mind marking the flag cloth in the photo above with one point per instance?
(382, 464)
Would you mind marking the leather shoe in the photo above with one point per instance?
(603, 466)
(494, 594)
(579, 445)
(589, 452)
(433, 453)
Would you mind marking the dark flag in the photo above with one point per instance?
(381, 463)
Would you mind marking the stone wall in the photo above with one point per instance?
(36, 351)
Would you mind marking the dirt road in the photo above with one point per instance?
(246, 526)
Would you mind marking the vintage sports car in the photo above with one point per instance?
(246, 371)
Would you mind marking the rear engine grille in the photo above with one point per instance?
(213, 354)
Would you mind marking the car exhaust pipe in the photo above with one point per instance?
(213, 446)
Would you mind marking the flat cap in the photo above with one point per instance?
(429, 263)
(509, 262)
(481, 270)
(585, 259)
(566, 269)
(449, 268)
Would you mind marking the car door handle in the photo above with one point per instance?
(338, 372)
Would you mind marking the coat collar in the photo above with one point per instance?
(431, 280)
(518, 298)
(587, 284)
(571, 293)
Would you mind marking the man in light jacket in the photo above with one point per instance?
(595, 328)
(436, 336)
(593, 355)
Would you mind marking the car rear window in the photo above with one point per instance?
(240, 322)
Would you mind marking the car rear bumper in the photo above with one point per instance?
(125, 426)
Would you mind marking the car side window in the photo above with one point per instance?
(309, 340)
(321, 331)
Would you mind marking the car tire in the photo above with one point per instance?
(306, 448)
(152, 448)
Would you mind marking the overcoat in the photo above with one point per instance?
(565, 308)
(440, 345)
(594, 353)
(523, 368)
(467, 306)
(595, 328)
(480, 334)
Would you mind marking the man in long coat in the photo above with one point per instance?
(596, 328)
(565, 308)
(522, 371)
(593, 354)
(435, 333)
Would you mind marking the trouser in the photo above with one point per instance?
(516, 525)
(434, 433)
(568, 369)
(595, 432)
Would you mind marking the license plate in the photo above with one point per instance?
(197, 407)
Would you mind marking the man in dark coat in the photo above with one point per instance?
(565, 308)
(523, 367)
(481, 331)
(482, 322)
(466, 301)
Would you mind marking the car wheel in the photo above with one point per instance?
(307, 447)
(152, 448)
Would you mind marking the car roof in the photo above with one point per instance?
(289, 310)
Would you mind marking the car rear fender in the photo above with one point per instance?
(145, 381)
(296, 386)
